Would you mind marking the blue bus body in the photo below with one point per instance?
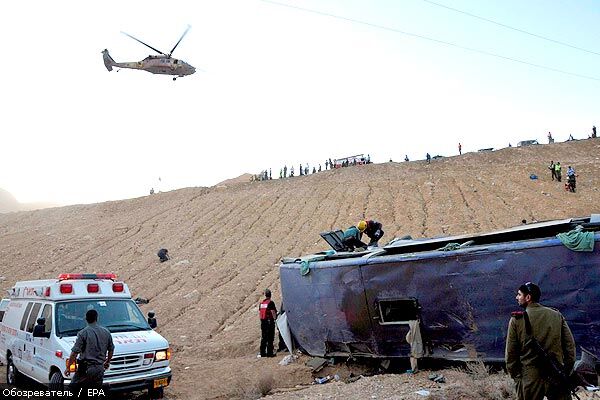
(358, 304)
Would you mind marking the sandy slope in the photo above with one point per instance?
(226, 241)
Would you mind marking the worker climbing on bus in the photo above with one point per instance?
(353, 235)
(351, 239)
(372, 229)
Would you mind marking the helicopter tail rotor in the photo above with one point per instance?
(108, 60)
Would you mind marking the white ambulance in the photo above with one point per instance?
(141, 356)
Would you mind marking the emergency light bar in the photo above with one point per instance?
(66, 277)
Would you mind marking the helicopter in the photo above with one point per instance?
(162, 63)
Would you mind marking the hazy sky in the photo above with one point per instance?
(281, 85)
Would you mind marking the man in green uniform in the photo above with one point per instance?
(550, 329)
(558, 171)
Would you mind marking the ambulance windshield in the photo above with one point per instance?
(115, 315)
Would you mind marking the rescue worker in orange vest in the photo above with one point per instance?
(268, 314)
(372, 229)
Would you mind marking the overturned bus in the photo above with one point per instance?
(460, 290)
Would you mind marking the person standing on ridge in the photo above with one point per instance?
(549, 328)
(459, 149)
(268, 314)
(594, 131)
(428, 158)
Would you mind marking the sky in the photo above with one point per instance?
(280, 83)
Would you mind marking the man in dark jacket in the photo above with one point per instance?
(372, 229)
(552, 168)
(94, 345)
(550, 329)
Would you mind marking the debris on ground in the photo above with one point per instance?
(290, 358)
(353, 378)
(327, 378)
(438, 378)
(317, 363)
(324, 379)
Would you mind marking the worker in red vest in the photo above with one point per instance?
(268, 314)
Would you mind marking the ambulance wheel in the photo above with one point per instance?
(13, 376)
(56, 381)
(157, 393)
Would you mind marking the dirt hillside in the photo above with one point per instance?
(226, 241)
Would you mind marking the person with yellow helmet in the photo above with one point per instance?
(372, 229)
(353, 235)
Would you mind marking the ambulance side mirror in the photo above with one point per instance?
(152, 320)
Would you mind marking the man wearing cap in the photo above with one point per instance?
(550, 329)
(268, 314)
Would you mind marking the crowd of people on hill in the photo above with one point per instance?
(305, 169)
(330, 164)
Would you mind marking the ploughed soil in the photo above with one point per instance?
(227, 240)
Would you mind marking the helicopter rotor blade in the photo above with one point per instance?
(145, 44)
(177, 44)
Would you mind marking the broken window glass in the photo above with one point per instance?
(398, 311)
